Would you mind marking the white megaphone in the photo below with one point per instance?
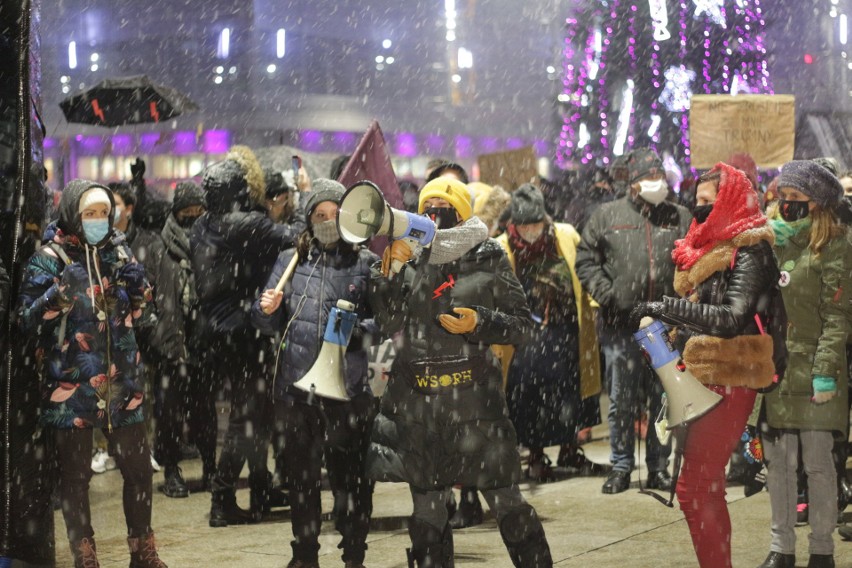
(327, 377)
(364, 213)
(687, 398)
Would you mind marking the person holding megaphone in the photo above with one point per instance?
(309, 425)
(443, 417)
(727, 279)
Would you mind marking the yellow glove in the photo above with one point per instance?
(465, 323)
(397, 251)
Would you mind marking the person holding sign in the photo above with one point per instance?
(309, 426)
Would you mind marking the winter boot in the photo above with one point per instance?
(174, 486)
(778, 560)
(143, 552)
(224, 510)
(302, 564)
(524, 538)
(430, 547)
(469, 512)
(85, 553)
(821, 561)
(840, 455)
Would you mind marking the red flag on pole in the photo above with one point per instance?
(371, 161)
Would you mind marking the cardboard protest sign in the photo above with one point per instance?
(509, 169)
(763, 126)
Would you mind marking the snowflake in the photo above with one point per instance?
(713, 8)
(676, 94)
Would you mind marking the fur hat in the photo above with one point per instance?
(813, 180)
(96, 195)
(490, 203)
(451, 190)
(322, 189)
(527, 205)
(643, 162)
(252, 171)
(186, 195)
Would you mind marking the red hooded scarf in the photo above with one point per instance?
(735, 210)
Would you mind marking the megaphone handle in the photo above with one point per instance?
(288, 272)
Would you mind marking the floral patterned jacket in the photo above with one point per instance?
(79, 303)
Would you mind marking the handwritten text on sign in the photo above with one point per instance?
(761, 125)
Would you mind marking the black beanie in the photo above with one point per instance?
(527, 205)
(643, 162)
(322, 189)
(275, 183)
(813, 180)
(186, 195)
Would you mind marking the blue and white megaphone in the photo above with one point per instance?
(327, 377)
(687, 398)
(364, 213)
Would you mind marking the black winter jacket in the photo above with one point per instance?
(452, 433)
(318, 282)
(728, 299)
(232, 255)
(625, 254)
(725, 305)
(170, 270)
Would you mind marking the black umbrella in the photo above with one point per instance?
(126, 100)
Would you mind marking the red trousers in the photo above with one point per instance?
(701, 487)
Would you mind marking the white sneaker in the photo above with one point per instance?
(154, 464)
(99, 461)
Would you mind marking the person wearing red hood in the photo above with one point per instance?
(727, 279)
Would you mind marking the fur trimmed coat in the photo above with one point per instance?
(718, 335)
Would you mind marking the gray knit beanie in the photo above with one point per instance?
(322, 189)
(527, 205)
(813, 180)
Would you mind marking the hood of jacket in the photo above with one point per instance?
(69, 206)
(225, 187)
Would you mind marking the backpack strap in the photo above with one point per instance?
(60, 252)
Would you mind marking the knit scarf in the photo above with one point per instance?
(784, 230)
(526, 252)
(735, 210)
(452, 244)
(176, 238)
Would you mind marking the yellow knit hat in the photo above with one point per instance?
(451, 190)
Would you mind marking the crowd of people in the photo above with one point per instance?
(506, 331)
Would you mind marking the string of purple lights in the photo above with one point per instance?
(717, 48)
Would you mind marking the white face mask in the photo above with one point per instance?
(654, 192)
(117, 213)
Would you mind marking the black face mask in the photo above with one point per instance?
(187, 222)
(701, 212)
(793, 210)
(443, 217)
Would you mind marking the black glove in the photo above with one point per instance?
(137, 169)
(356, 342)
(652, 309)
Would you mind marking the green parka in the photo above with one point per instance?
(816, 295)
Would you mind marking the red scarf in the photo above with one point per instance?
(530, 252)
(735, 210)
